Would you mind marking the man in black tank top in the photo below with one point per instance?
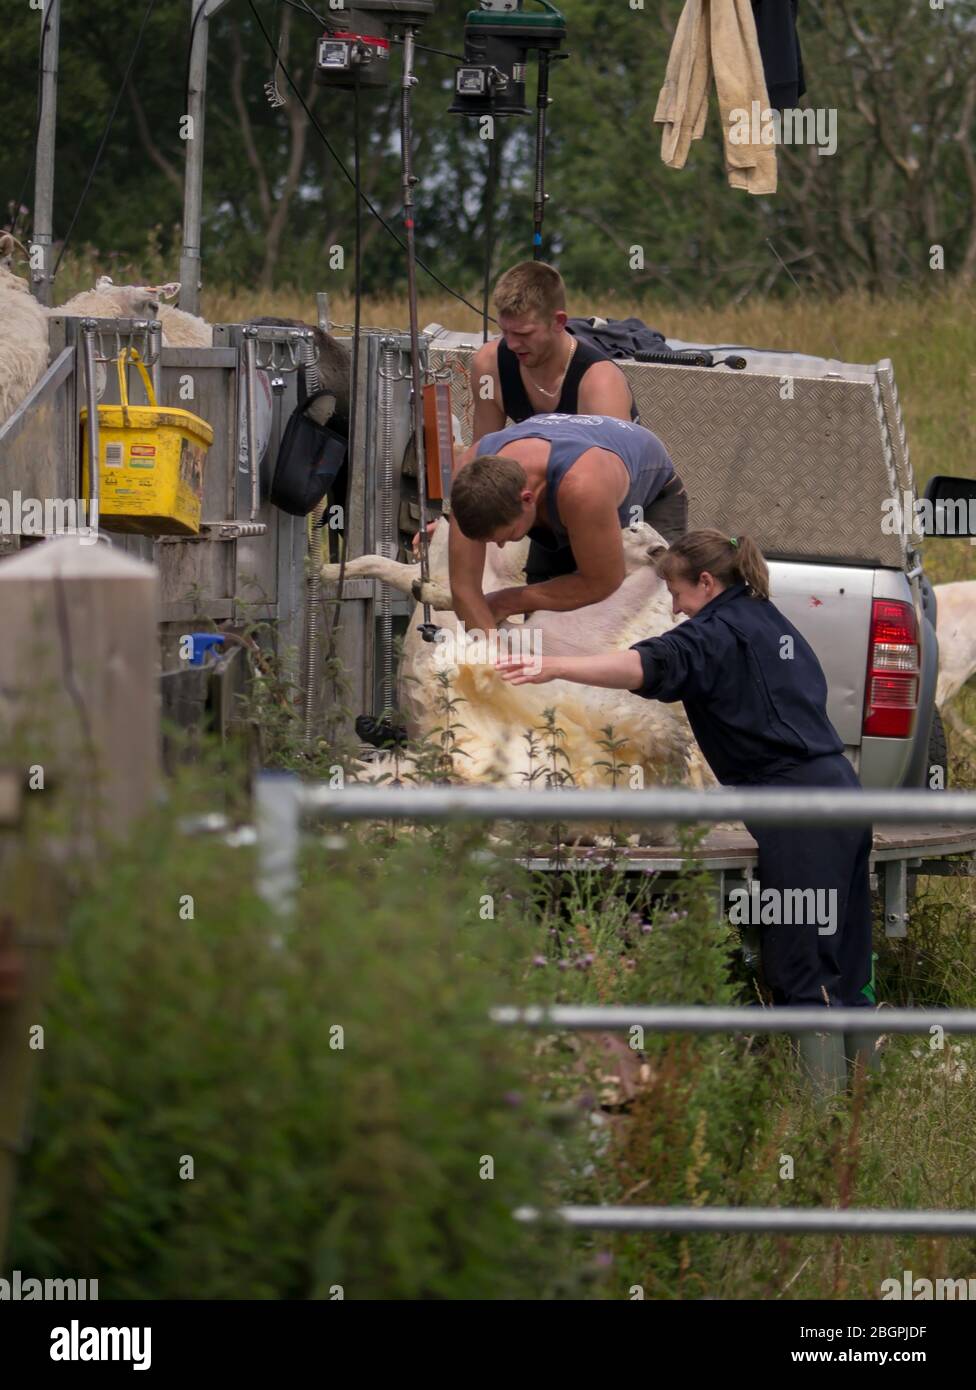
(515, 402)
(537, 367)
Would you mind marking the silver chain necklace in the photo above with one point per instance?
(554, 395)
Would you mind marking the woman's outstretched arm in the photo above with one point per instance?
(612, 670)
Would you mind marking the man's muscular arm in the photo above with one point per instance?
(489, 415)
(466, 567)
(589, 514)
(604, 391)
(466, 564)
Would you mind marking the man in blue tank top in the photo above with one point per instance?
(571, 483)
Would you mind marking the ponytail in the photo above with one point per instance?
(730, 559)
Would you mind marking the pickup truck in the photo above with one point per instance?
(872, 624)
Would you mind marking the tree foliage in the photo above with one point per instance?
(899, 74)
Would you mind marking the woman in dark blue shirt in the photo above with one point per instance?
(755, 696)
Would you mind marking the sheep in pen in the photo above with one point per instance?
(536, 736)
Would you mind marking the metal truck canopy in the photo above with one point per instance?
(798, 452)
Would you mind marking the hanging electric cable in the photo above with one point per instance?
(307, 9)
(344, 170)
(354, 369)
(105, 134)
(491, 179)
(426, 48)
(491, 79)
(540, 196)
(427, 629)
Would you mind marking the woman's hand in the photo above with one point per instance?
(610, 670)
(519, 670)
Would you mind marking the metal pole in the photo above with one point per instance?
(313, 586)
(190, 262)
(276, 823)
(389, 358)
(154, 339)
(251, 415)
(786, 1220)
(540, 196)
(408, 81)
(91, 401)
(44, 164)
(759, 806)
(697, 1018)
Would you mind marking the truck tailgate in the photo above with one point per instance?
(831, 606)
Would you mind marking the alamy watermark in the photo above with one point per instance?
(926, 1290)
(77, 1343)
(18, 1288)
(49, 516)
(920, 516)
(793, 126)
(756, 906)
(478, 648)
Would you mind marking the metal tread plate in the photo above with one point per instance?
(804, 472)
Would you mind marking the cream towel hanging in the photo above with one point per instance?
(718, 37)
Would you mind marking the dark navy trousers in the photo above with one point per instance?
(800, 963)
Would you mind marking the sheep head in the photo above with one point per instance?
(131, 301)
(138, 301)
(8, 280)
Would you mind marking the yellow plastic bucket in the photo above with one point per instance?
(151, 461)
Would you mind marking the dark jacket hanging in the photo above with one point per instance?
(779, 47)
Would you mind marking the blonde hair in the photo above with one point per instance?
(730, 559)
(487, 494)
(531, 287)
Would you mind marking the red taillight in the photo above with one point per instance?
(891, 689)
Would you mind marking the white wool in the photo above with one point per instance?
(23, 342)
(181, 329)
(956, 630)
(107, 300)
(496, 715)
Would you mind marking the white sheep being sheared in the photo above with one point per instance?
(23, 335)
(493, 716)
(110, 301)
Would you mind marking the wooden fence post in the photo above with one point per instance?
(79, 664)
(79, 711)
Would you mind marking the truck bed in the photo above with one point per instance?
(900, 852)
(736, 849)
